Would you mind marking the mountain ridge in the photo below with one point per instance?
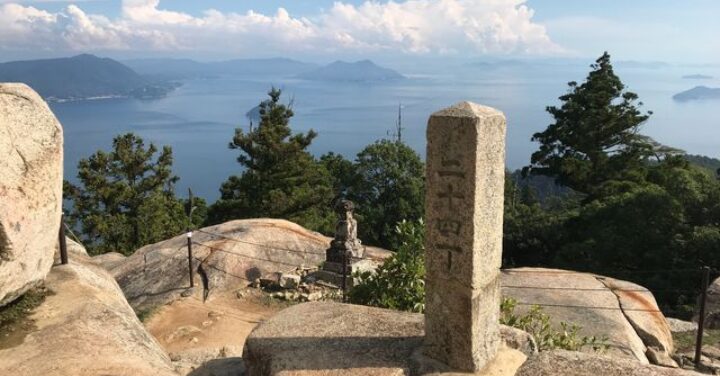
(359, 71)
(188, 68)
(80, 77)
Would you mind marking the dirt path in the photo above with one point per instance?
(193, 332)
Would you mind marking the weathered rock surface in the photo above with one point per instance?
(519, 340)
(109, 260)
(232, 254)
(223, 361)
(323, 338)
(73, 247)
(712, 306)
(569, 363)
(31, 173)
(641, 310)
(331, 336)
(679, 326)
(85, 328)
(585, 300)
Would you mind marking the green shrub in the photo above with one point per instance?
(399, 283)
(145, 314)
(537, 323)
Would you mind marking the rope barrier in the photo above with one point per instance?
(222, 271)
(72, 234)
(589, 307)
(617, 271)
(242, 255)
(644, 290)
(258, 244)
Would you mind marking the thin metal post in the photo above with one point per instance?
(190, 257)
(63, 241)
(701, 319)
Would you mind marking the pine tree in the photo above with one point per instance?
(125, 197)
(281, 179)
(594, 139)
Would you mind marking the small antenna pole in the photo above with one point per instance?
(399, 123)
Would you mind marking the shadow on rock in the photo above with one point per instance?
(221, 367)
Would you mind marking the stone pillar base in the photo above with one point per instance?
(332, 271)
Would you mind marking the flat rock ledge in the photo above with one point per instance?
(322, 338)
(85, 327)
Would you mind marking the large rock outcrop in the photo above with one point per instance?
(625, 313)
(31, 173)
(85, 327)
(230, 255)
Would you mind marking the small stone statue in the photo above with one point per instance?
(346, 240)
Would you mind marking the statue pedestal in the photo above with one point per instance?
(331, 272)
(345, 255)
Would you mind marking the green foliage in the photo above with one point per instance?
(533, 230)
(388, 187)
(685, 341)
(280, 178)
(198, 212)
(399, 282)
(146, 314)
(125, 198)
(594, 138)
(342, 173)
(711, 165)
(638, 205)
(537, 323)
(669, 223)
(387, 184)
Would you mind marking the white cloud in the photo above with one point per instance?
(411, 26)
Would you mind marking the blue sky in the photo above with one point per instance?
(644, 30)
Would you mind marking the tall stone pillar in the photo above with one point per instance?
(463, 245)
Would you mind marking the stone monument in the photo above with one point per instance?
(346, 243)
(345, 248)
(463, 244)
(460, 331)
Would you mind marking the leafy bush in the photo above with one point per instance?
(538, 325)
(399, 283)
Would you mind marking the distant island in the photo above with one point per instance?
(83, 77)
(360, 71)
(698, 92)
(697, 77)
(186, 68)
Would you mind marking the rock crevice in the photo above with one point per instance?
(640, 309)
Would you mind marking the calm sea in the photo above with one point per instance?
(198, 119)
